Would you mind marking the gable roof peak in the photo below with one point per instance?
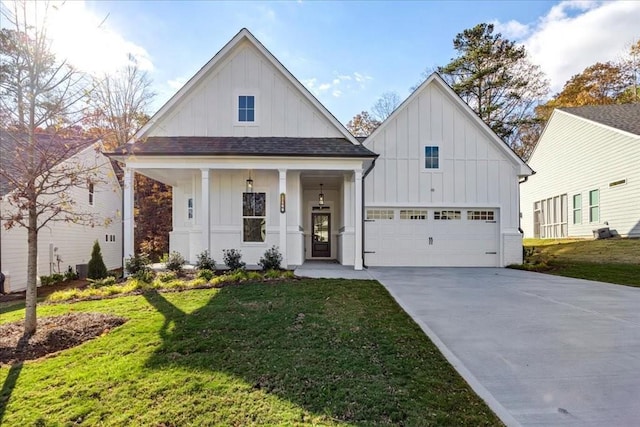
(625, 117)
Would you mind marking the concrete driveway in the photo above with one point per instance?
(541, 350)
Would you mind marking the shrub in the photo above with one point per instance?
(205, 274)
(97, 269)
(233, 259)
(99, 283)
(271, 259)
(46, 280)
(145, 276)
(137, 263)
(205, 262)
(175, 262)
(70, 274)
(167, 276)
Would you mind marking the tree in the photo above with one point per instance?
(494, 76)
(40, 99)
(96, 267)
(631, 65)
(385, 105)
(362, 124)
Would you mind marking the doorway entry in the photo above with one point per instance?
(321, 238)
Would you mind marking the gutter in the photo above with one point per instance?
(525, 179)
(373, 163)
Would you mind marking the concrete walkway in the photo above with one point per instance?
(541, 350)
(330, 270)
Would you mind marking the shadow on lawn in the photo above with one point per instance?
(8, 386)
(309, 358)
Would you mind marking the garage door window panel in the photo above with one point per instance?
(413, 214)
(373, 214)
(447, 215)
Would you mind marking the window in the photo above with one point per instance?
(577, 208)
(431, 157)
(594, 206)
(90, 194)
(254, 224)
(414, 214)
(246, 108)
(447, 215)
(106, 237)
(480, 215)
(190, 208)
(380, 214)
(550, 217)
(113, 237)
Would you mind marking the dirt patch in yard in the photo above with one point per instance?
(53, 334)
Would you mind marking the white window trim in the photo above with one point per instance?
(192, 208)
(236, 106)
(576, 209)
(423, 157)
(591, 221)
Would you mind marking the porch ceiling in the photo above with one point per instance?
(329, 180)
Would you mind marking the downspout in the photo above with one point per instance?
(525, 179)
(364, 265)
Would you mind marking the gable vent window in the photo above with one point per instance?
(447, 215)
(431, 157)
(246, 108)
(618, 182)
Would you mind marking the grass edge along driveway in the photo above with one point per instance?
(315, 351)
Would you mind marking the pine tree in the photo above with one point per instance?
(97, 269)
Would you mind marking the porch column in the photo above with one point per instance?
(205, 220)
(283, 215)
(127, 215)
(357, 265)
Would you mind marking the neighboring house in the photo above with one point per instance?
(256, 161)
(587, 164)
(64, 244)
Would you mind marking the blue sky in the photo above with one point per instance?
(346, 53)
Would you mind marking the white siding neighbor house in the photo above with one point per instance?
(587, 164)
(64, 244)
(256, 161)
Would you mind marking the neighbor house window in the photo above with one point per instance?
(254, 221)
(246, 108)
(577, 208)
(380, 213)
(190, 208)
(431, 157)
(594, 206)
(447, 215)
(90, 194)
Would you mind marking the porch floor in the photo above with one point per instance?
(330, 270)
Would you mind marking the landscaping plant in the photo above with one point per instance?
(233, 259)
(175, 262)
(271, 259)
(97, 269)
(205, 262)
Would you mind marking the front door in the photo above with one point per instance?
(321, 239)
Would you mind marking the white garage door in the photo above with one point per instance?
(447, 237)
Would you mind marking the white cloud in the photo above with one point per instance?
(512, 29)
(338, 85)
(576, 34)
(85, 40)
(177, 83)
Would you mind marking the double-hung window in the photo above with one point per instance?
(594, 206)
(254, 222)
(577, 208)
(431, 157)
(190, 208)
(91, 194)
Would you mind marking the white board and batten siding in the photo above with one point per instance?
(575, 156)
(209, 106)
(73, 242)
(476, 176)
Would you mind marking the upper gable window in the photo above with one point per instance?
(246, 108)
(91, 194)
(431, 157)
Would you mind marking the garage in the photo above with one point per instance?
(433, 237)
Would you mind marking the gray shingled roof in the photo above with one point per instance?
(244, 146)
(620, 116)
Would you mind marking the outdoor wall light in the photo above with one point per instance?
(321, 197)
(249, 184)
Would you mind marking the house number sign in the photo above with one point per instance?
(283, 203)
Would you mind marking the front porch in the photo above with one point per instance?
(330, 270)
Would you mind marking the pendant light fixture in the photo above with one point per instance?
(321, 197)
(249, 184)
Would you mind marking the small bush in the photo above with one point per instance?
(205, 262)
(164, 258)
(271, 259)
(205, 274)
(272, 274)
(175, 262)
(145, 276)
(46, 280)
(99, 283)
(137, 263)
(167, 276)
(97, 269)
(233, 259)
(70, 274)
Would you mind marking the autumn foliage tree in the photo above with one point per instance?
(41, 98)
(362, 124)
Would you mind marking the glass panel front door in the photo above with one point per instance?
(321, 238)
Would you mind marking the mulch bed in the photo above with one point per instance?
(44, 291)
(53, 334)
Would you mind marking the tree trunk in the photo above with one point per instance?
(30, 319)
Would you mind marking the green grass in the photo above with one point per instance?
(322, 352)
(608, 260)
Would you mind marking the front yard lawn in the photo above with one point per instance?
(322, 352)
